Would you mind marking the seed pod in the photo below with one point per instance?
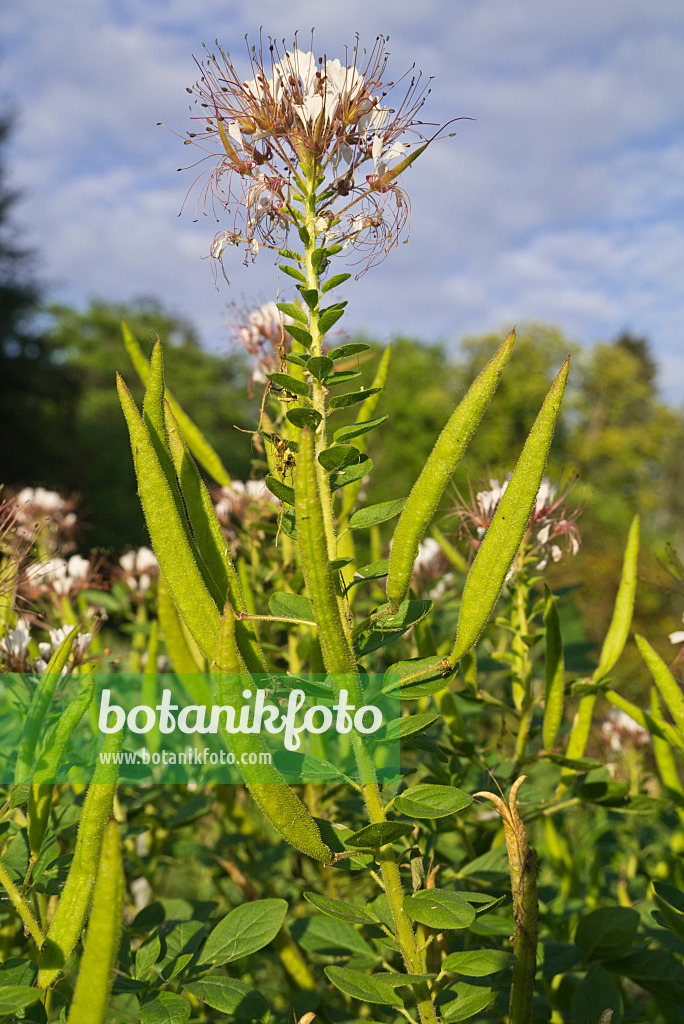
(507, 529)
(96, 970)
(279, 803)
(74, 902)
(436, 473)
(555, 672)
(45, 774)
(670, 689)
(618, 630)
(30, 737)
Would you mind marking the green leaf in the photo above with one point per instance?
(606, 933)
(374, 514)
(470, 999)
(288, 254)
(656, 970)
(319, 366)
(334, 380)
(329, 318)
(372, 571)
(506, 531)
(293, 310)
(230, 996)
(310, 296)
(16, 997)
(290, 606)
(334, 282)
(303, 235)
(555, 671)
(293, 272)
(352, 912)
(595, 993)
(291, 384)
(351, 474)
(357, 429)
(247, 928)
(360, 985)
(624, 606)
(296, 359)
(282, 491)
(670, 895)
(379, 834)
(385, 627)
(165, 1008)
(353, 398)
(407, 725)
(347, 351)
(328, 937)
(440, 909)
(420, 677)
(478, 963)
(300, 335)
(428, 801)
(669, 688)
(304, 418)
(338, 456)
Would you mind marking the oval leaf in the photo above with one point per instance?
(291, 606)
(427, 801)
(478, 963)
(337, 456)
(319, 366)
(374, 514)
(440, 909)
(353, 398)
(230, 996)
(244, 930)
(360, 985)
(305, 418)
(340, 910)
(357, 429)
(379, 834)
(291, 384)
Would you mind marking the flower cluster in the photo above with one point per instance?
(298, 114)
(618, 729)
(45, 513)
(263, 333)
(140, 568)
(58, 576)
(552, 530)
(235, 504)
(15, 654)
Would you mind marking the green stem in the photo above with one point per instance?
(22, 908)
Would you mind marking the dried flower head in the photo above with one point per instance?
(296, 115)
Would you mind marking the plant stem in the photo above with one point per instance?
(22, 908)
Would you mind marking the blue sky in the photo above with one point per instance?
(562, 202)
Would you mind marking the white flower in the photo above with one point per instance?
(546, 495)
(397, 149)
(619, 727)
(16, 641)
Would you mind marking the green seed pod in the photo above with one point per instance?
(96, 969)
(555, 672)
(442, 461)
(507, 529)
(670, 689)
(74, 902)
(169, 534)
(281, 806)
(618, 630)
(30, 738)
(40, 796)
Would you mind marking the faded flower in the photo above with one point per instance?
(140, 568)
(619, 729)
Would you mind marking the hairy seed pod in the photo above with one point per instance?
(67, 924)
(96, 969)
(279, 803)
(436, 473)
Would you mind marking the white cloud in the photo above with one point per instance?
(563, 201)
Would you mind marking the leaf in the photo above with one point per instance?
(291, 384)
(329, 937)
(329, 318)
(290, 606)
(385, 628)
(624, 606)
(379, 834)
(338, 456)
(304, 418)
(310, 296)
(300, 335)
(334, 282)
(470, 1000)
(420, 677)
(319, 366)
(372, 571)
(16, 997)
(440, 909)
(606, 933)
(340, 377)
(374, 514)
(354, 913)
(507, 528)
(360, 985)
(428, 801)
(351, 474)
(478, 963)
(230, 996)
(282, 491)
(357, 429)
(165, 1008)
(293, 310)
(293, 272)
(247, 928)
(595, 993)
(353, 398)
(407, 725)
